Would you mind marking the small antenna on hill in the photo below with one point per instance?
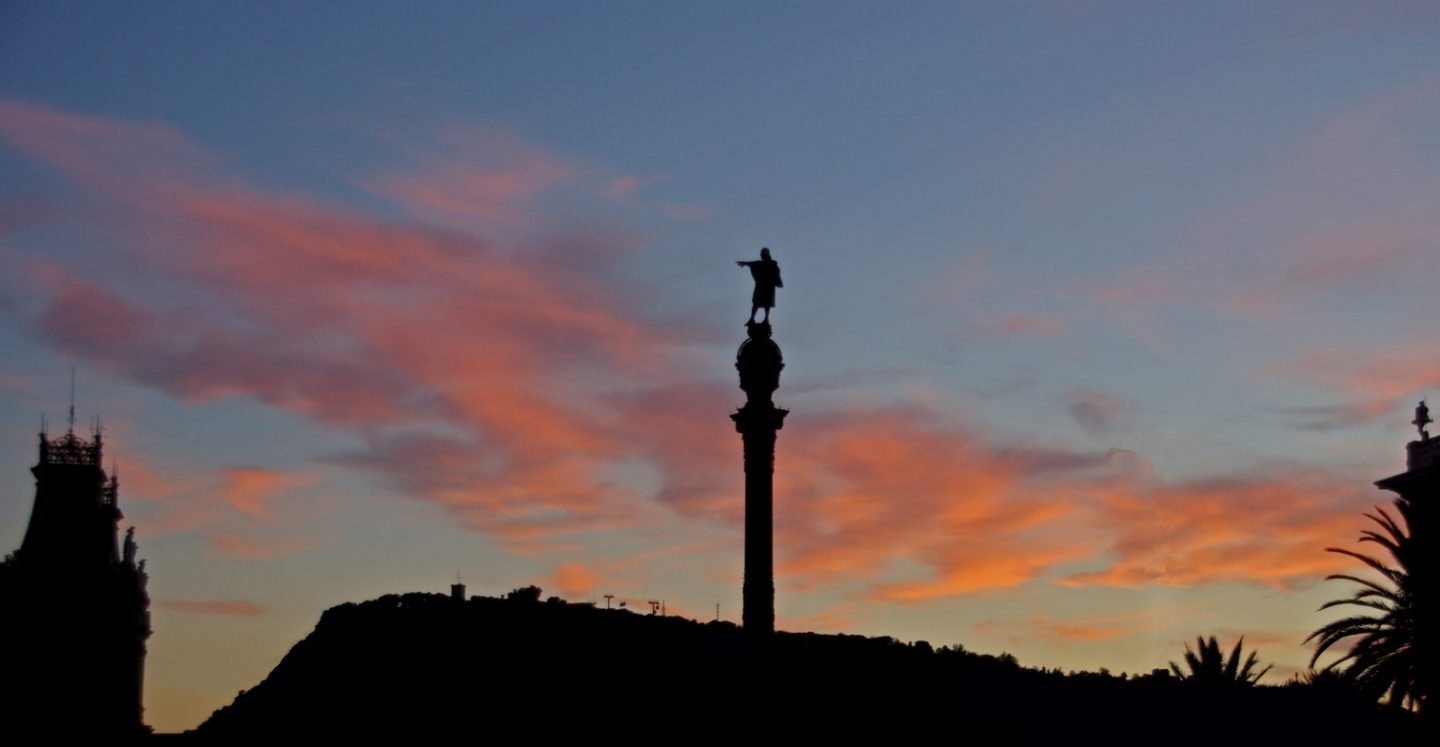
(72, 398)
(608, 597)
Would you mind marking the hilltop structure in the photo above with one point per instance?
(76, 611)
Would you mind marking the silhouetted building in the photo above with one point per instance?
(76, 614)
(1419, 490)
(759, 362)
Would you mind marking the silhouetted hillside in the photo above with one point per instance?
(427, 664)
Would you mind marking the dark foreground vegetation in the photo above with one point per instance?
(431, 666)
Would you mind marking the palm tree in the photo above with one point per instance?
(1208, 666)
(1384, 661)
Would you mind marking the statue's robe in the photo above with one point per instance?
(766, 273)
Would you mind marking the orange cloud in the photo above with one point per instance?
(1260, 530)
(251, 489)
(865, 490)
(1066, 631)
(506, 380)
(981, 565)
(575, 579)
(217, 607)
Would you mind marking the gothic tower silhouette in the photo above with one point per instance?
(759, 362)
(76, 613)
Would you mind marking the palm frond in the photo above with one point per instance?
(1382, 659)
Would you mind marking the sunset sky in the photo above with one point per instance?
(1100, 318)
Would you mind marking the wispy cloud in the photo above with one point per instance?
(251, 489)
(1067, 631)
(506, 380)
(574, 580)
(1098, 413)
(1240, 529)
(213, 607)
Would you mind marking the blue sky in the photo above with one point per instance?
(1100, 318)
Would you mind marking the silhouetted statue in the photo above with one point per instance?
(766, 273)
(1422, 418)
(130, 546)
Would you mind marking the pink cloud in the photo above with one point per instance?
(494, 197)
(258, 548)
(251, 489)
(112, 156)
(315, 309)
(1031, 324)
(479, 176)
(1145, 286)
(214, 607)
(1359, 254)
(1375, 377)
(488, 179)
(1370, 383)
(504, 380)
(624, 185)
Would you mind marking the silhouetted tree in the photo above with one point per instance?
(1385, 660)
(1210, 667)
(530, 594)
(1332, 681)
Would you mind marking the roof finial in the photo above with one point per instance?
(1422, 418)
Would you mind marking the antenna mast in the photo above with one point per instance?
(72, 398)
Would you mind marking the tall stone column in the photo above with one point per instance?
(759, 362)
